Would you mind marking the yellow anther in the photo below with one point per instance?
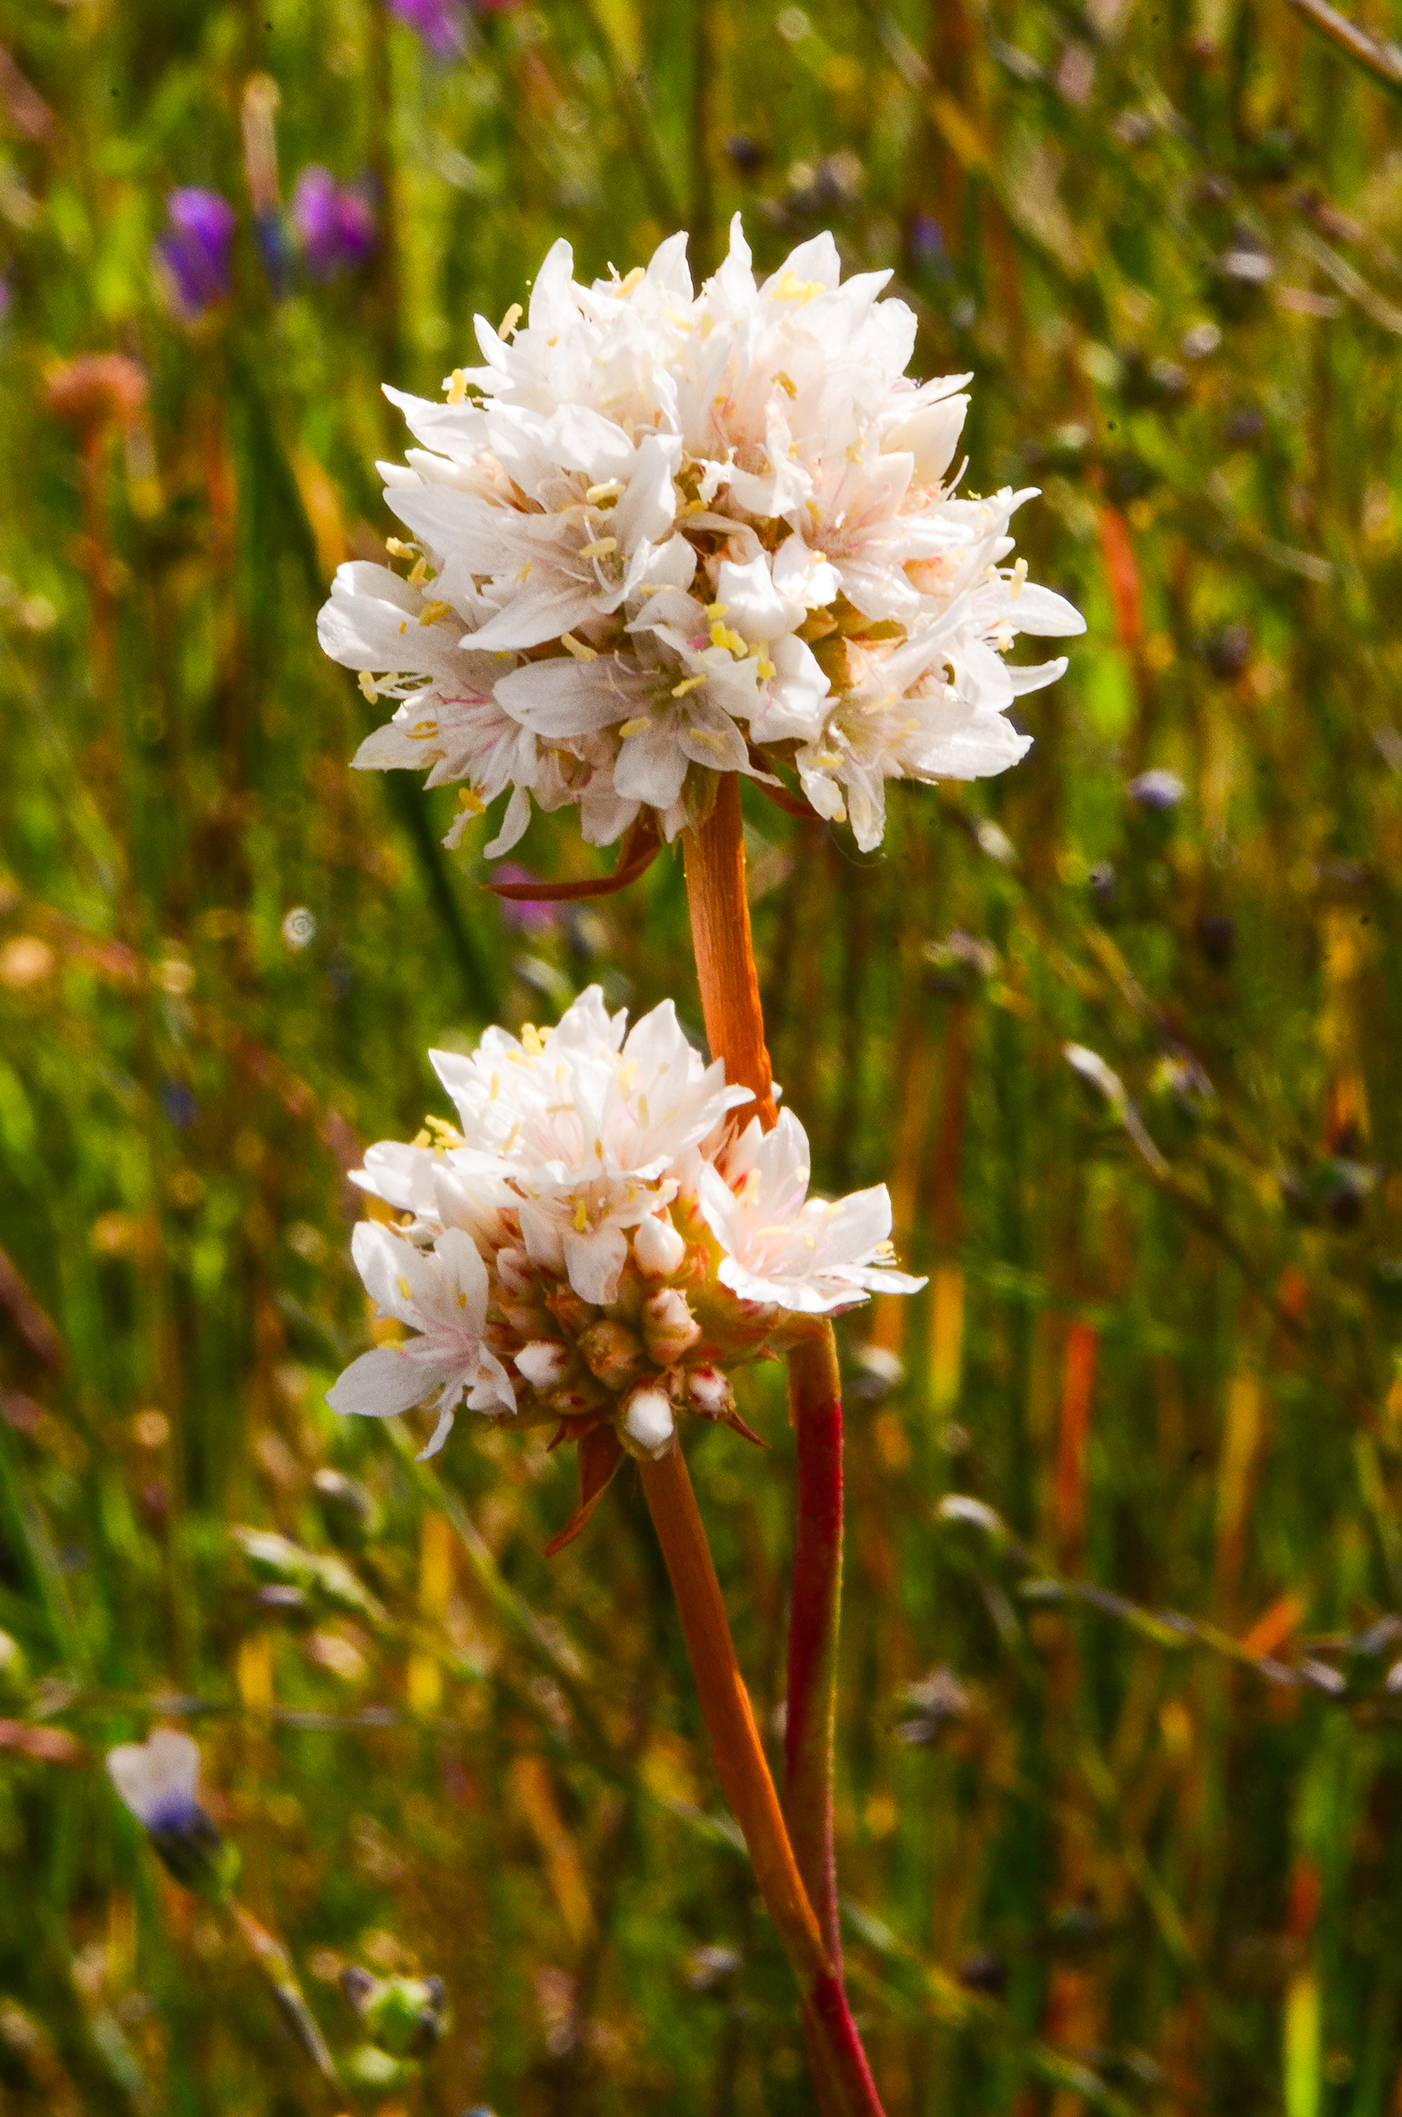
(791, 288)
(637, 726)
(404, 1287)
(418, 571)
(398, 549)
(472, 801)
(431, 612)
(496, 1087)
(764, 668)
(600, 495)
(577, 648)
(599, 1149)
(422, 1139)
(1019, 576)
(462, 1301)
(599, 549)
(368, 685)
(525, 572)
(717, 610)
(510, 320)
(457, 386)
(626, 286)
(532, 1040)
(725, 636)
(581, 1217)
(422, 729)
(688, 683)
(786, 382)
(403, 624)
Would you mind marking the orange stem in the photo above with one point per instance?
(725, 968)
(725, 957)
(844, 2081)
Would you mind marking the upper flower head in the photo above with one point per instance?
(702, 518)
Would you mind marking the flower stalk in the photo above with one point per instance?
(729, 981)
(845, 2083)
(815, 1406)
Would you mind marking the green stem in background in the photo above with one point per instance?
(842, 2076)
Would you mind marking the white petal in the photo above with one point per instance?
(382, 1383)
(594, 1263)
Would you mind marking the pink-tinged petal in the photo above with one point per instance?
(595, 1261)
(442, 1430)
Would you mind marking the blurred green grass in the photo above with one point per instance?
(1103, 1861)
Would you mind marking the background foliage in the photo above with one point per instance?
(1120, 1788)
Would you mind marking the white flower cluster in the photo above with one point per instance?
(664, 534)
(597, 1240)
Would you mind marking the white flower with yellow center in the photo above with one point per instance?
(783, 1249)
(585, 1125)
(659, 527)
(441, 1295)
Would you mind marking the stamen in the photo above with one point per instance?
(577, 648)
(457, 386)
(688, 683)
(599, 549)
(510, 320)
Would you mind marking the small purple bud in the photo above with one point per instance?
(195, 248)
(1157, 789)
(438, 22)
(335, 227)
(527, 917)
(926, 239)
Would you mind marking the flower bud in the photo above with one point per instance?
(156, 1781)
(350, 1515)
(648, 1419)
(403, 2015)
(709, 1392)
(543, 1363)
(658, 1248)
(515, 1272)
(611, 1352)
(668, 1325)
(569, 1310)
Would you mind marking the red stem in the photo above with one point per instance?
(815, 1405)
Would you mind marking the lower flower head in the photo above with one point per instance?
(593, 1245)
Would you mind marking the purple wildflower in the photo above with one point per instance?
(335, 228)
(1157, 789)
(438, 22)
(195, 248)
(528, 915)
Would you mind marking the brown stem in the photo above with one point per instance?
(846, 2084)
